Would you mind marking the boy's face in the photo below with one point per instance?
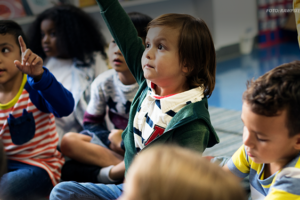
(160, 60)
(266, 139)
(116, 59)
(49, 38)
(10, 51)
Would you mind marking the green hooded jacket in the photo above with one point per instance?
(190, 127)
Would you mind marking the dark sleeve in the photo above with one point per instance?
(125, 35)
(49, 96)
(194, 135)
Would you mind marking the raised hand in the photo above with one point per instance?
(31, 63)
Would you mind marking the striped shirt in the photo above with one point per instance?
(40, 150)
(281, 186)
(156, 112)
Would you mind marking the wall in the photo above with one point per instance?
(226, 19)
(231, 19)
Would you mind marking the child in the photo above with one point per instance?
(179, 174)
(116, 89)
(176, 74)
(30, 97)
(68, 38)
(270, 153)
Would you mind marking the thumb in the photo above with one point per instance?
(18, 64)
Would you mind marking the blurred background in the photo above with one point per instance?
(250, 36)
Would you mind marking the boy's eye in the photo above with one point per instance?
(5, 50)
(160, 47)
(113, 41)
(53, 34)
(262, 140)
(147, 45)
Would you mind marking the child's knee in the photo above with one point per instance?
(62, 190)
(67, 142)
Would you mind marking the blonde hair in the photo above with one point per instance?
(170, 172)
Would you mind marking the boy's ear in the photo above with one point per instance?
(297, 144)
(185, 69)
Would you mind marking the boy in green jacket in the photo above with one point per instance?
(175, 77)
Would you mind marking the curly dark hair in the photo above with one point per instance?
(140, 22)
(195, 48)
(275, 91)
(77, 33)
(11, 27)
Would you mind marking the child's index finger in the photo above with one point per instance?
(22, 44)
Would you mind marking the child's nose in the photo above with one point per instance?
(247, 138)
(45, 38)
(117, 51)
(149, 54)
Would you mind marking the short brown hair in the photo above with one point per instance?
(195, 48)
(172, 172)
(275, 91)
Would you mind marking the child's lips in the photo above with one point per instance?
(117, 62)
(250, 155)
(148, 66)
(46, 49)
(2, 71)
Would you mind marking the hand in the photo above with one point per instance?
(31, 64)
(115, 137)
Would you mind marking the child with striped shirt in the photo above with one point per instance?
(30, 97)
(270, 154)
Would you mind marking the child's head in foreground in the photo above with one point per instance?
(271, 113)
(10, 51)
(180, 51)
(116, 59)
(172, 172)
(65, 31)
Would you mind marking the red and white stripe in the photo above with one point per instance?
(41, 150)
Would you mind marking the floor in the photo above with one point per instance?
(225, 104)
(232, 74)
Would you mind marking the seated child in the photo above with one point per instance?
(114, 88)
(176, 74)
(30, 97)
(67, 39)
(170, 172)
(270, 154)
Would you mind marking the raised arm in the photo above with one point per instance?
(125, 35)
(45, 92)
(296, 5)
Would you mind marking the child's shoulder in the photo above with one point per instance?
(104, 77)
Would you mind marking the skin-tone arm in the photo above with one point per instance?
(115, 138)
(225, 168)
(118, 171)
(31, 63)
(78, 147)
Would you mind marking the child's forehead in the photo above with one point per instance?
(8, 39)
(261, 123)
(164, 32)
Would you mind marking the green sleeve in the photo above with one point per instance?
(125, 35)
(193, 135)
